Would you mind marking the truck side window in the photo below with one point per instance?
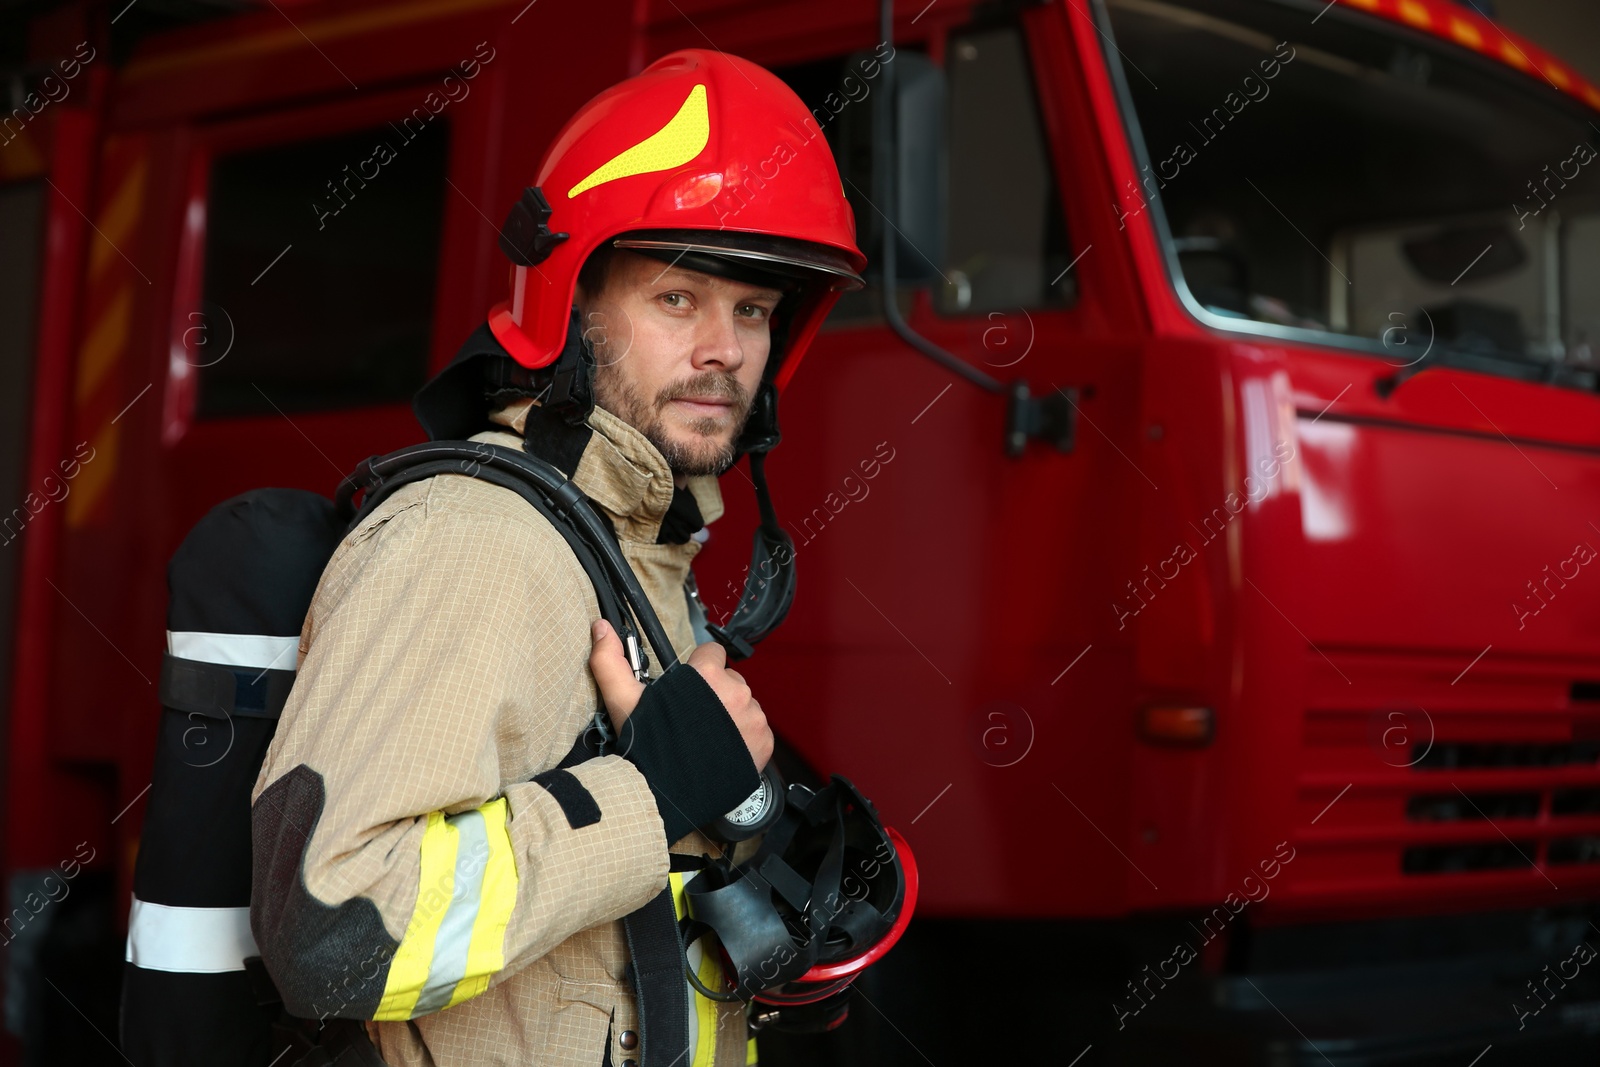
(1343, 180)
(320, 260)
(1580, 301)
(1006, 238)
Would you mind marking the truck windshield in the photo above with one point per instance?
(1342, 175)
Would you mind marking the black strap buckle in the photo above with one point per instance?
(525, 236)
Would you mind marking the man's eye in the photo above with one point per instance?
(753, 311)
(674, 300)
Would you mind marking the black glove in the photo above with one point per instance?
(692, 756)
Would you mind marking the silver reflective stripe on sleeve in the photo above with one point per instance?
(236, 650)
(189, 940)
(455, 931)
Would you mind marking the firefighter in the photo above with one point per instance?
(431, 865)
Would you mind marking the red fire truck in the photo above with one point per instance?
(1241, 697)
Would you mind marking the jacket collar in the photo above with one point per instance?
(612, 462)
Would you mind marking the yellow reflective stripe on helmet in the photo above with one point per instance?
(486, 954)
(408, 971)
(466, 890)
(680, 140)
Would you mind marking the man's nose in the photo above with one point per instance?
(719, 344)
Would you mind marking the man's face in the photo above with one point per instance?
(679, 355)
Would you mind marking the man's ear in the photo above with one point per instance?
(580, 313)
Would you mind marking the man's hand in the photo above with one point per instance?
(621, 691)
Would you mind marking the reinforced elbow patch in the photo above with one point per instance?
(341, 961)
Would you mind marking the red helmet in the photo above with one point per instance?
(704, 158)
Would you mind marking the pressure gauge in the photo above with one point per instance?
(759, 810)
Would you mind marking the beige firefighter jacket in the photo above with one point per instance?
(408, 869)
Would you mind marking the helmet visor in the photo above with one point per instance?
(740, 255)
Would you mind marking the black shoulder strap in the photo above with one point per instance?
(544, 487)
(659, 963)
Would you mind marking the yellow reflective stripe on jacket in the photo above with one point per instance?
(702, 1010)
(486, 953)
(408, 971)
(465, 892)
(750, 1052)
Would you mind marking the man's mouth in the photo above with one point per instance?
(705, 405)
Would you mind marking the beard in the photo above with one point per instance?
(707, 451)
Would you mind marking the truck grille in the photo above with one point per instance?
(1444, 756)
(1494, 790)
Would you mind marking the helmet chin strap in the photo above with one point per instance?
(571, 377)
(769, 582)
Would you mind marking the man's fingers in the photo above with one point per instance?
(711, 660)
(604, 637)
(761, 754)
(608, 660)
(710, 654)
